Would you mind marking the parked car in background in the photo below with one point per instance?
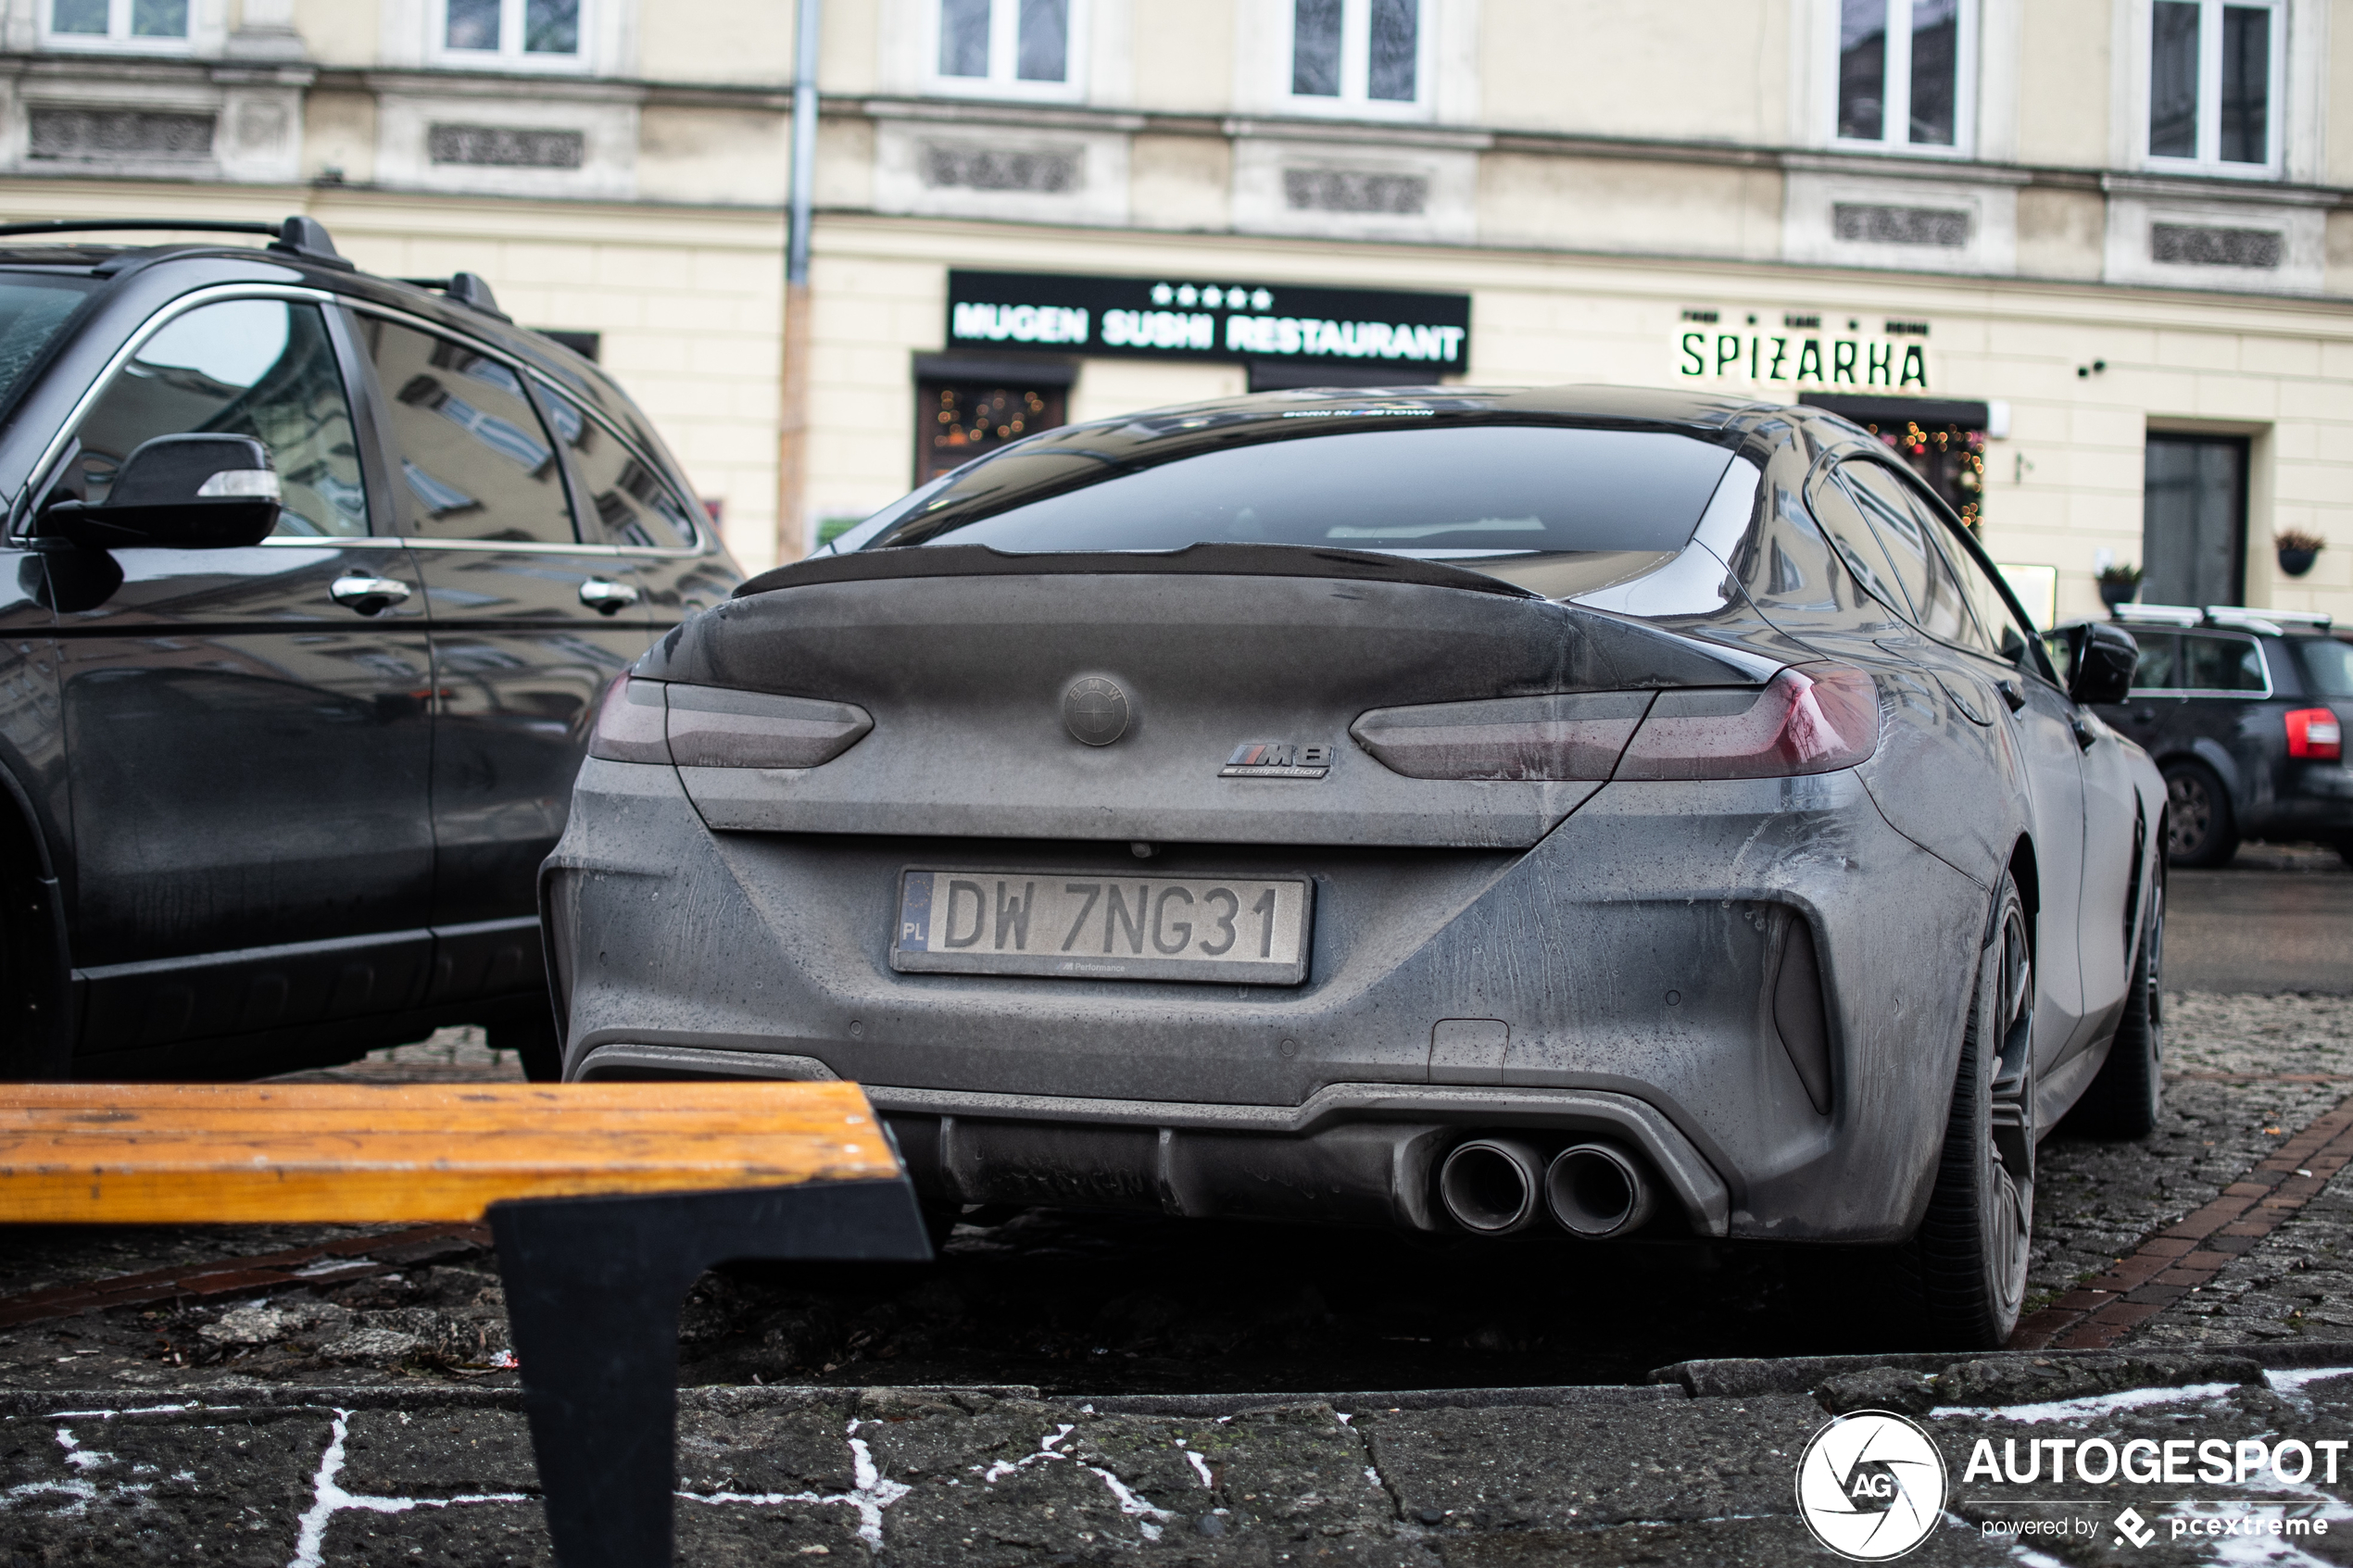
(309, 583)
(2245, 711)
(1606, 811)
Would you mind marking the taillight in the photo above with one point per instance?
(719, 727)
(1809, 718)
(1575, 736)
(629, 723)
(2314, 733)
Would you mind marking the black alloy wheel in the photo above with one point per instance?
(2200, 830)
(1972, 1247)
(2123, 1100)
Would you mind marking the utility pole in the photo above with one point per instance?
(792, 417)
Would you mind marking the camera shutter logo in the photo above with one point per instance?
(1870, 1485)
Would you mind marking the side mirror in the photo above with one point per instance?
(2104, 665)
(194, 492)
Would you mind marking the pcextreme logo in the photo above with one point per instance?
(1870, 1485)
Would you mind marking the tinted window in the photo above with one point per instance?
(2160, 657)
(2012, 638)
(1450, 491)
(1940, 607)
(1843, 519)
(2328, 667)
(2213, 663)
(262, 368)
(31, 310)
(623, 501)
(476, 462)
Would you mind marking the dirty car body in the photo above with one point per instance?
(1610, 792)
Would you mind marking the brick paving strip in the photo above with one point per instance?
(357, 1257)
(2185, 1256)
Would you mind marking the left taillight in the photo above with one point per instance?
(719, 727)
(630, 723)
(2314, 734)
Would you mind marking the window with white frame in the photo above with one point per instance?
(2214, 84)
(1362, 54)
(161, 25)
(1022, 47)
(1905, 74)
(508, 34)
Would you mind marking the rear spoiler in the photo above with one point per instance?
(1203, 560)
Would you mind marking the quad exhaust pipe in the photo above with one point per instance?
(1497, 1185)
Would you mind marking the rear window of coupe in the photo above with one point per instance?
(1448, 491)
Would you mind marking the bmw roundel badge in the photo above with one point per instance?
(1095, 711)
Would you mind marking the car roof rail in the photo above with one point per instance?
(298, 235)
(468, 289)
(2273, 621)
(2161, 615)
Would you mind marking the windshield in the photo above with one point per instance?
(32, 307)
(2328, 665)
(1460, 491)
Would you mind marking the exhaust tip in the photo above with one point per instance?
(1597, 1190)
(1492, 1186)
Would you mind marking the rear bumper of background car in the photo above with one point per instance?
(1620, 979)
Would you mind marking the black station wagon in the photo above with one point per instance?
(2245, 711)
(310, 582)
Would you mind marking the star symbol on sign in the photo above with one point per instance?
(1212, 296)
(1187, 295)
(1163, 294)
(1261, 300)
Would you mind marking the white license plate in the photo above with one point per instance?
(1084, 927)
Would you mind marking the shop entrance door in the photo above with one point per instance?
(2194, 521)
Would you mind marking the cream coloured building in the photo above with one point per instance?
(2094, 258)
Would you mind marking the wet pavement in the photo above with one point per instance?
(808, 1432)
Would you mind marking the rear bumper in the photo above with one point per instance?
(1621, 976)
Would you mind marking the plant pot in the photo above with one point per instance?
(2114, 594)
(2295, 563)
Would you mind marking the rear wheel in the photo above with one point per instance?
(2201, 830)
(2123, 1101)
(1971, 1249)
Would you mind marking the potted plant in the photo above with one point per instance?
(2297, 550)
(2118, 583)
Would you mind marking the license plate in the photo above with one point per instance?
(1102, 927)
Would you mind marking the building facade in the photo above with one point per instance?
(2088, 262)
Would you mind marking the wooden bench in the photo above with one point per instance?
(606, 1200)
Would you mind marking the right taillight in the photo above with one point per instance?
(2314, 734)
(721, 727)
(1808, 719)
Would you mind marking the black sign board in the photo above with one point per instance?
(1209, 320)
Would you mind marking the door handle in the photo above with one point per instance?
(2086, 735)
(605, 597)
(369, 595)
(2012, 693)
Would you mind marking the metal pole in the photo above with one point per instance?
(792, 423)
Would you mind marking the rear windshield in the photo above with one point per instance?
(1450, 491)
(33, 308)
(2328, 666)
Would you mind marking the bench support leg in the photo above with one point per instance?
(593, 1289)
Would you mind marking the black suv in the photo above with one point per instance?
(2244, 710)
(309, 583)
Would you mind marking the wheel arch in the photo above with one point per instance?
(38, 1043)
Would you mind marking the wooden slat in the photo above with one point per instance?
(368, 1153)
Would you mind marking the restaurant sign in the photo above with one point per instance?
(1803, 350)
(1216, 321)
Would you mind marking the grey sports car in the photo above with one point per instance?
(1606, 810)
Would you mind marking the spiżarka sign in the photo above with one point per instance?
(1424, 336)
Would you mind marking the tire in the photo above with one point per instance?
(534, 1042)
(2122, 1102)
(1970, 1253)
(33, 1048)
(2200, 828)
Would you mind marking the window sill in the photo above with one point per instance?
(989, 90)
(1377, 110)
